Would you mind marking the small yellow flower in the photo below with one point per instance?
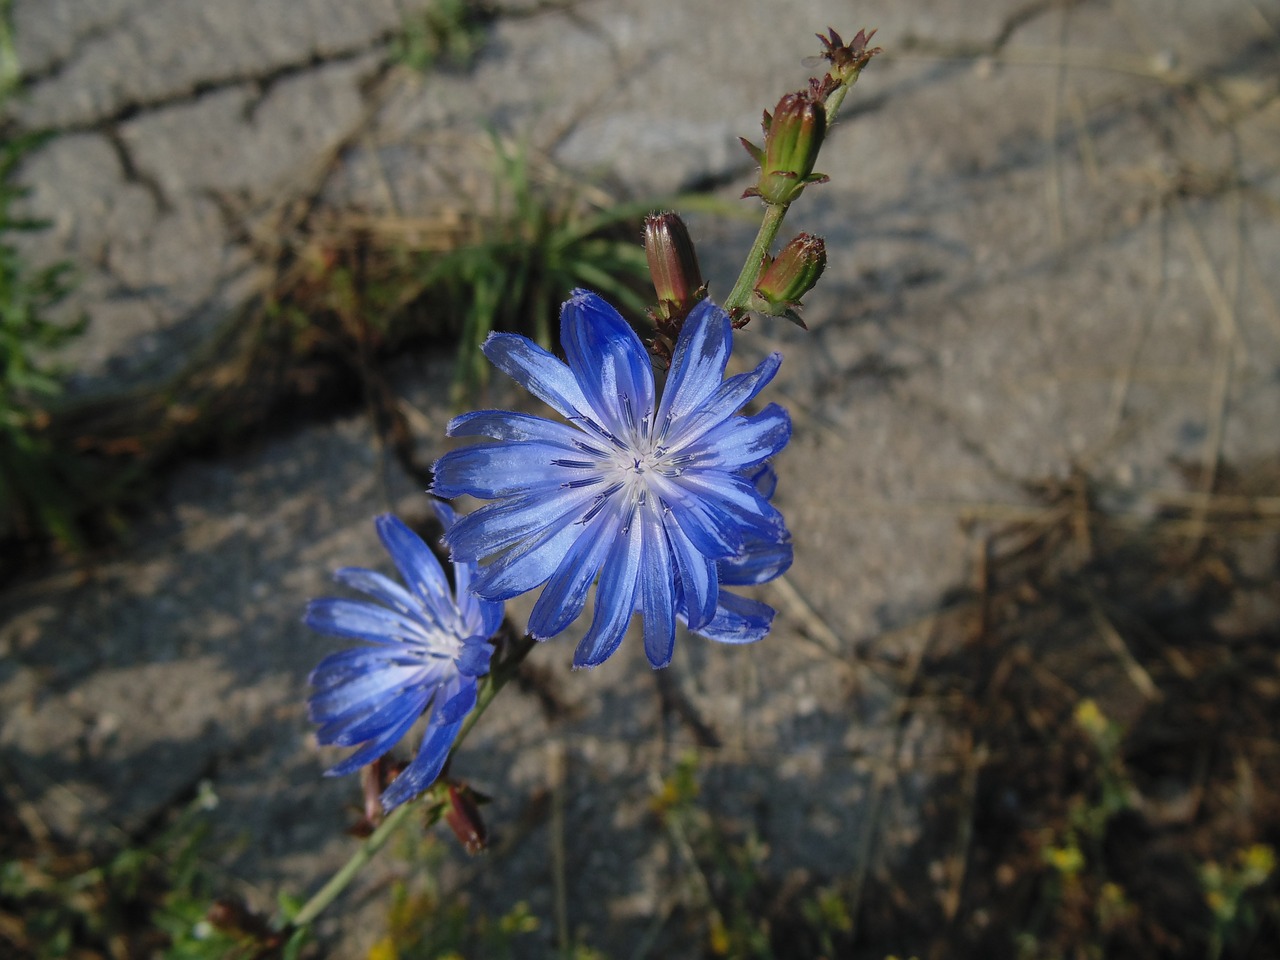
(1090, 718)
(718, 938)
(1068, 860)
(519, 920)
(1257, 862)
(1215, 901)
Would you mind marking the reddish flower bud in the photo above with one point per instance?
(463, 817)
(374, 779)
(372, 784)
(789, 276)
(792, 138)
(673, 264)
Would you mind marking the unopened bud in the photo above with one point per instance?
(792, 138)
(374, 779)
(673, 264)
(463, 817)
(789, 276)
(371, 785)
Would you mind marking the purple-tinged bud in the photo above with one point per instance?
(463, 817)
(372, 783)
(673, 264)
(789, 276)
(792, 138)
(374, 779)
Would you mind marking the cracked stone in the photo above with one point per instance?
(73, 183)
(161, 52)
(957, 351)
(50, 32)
(209, 146)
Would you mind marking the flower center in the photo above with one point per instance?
(637, 466)
(632, 466)
(640, 467)
(433, 642)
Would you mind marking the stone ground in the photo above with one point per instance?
(1054, 248)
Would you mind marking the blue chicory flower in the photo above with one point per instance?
(424, 652)
(665, 505)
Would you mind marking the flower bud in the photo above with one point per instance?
(847, 59)
(673, 264)
(789, 276)
(374, 779)
(463, 817)
(792, 138)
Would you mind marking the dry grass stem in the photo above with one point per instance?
(1136, 673)
(559, 862)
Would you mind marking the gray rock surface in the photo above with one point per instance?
(1049, 249)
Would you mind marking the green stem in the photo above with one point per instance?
(498, 678)
(740, 296)
(338, 882)
(837, 98)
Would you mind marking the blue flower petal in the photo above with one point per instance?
(369, 689)
(455, 700)
(615, 598)
(698, 363)
(657, 591)
(728, 398)
(499, 526)
(380, 587)
(513, 427)
(539, 372)
(759, 562)
(493, 470)
(527, 566)
(565, 593)
(742, 442)
(474, 659)
(763, 477)
(444, 513)
(734, 501)
(738, 620)
(711, 532)
(480, 618)
(420, 569)
(345, 665)
(698, 576)
(347, 733)
(609, 362)
(375, 748)
(424, 769)
(360, 620)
